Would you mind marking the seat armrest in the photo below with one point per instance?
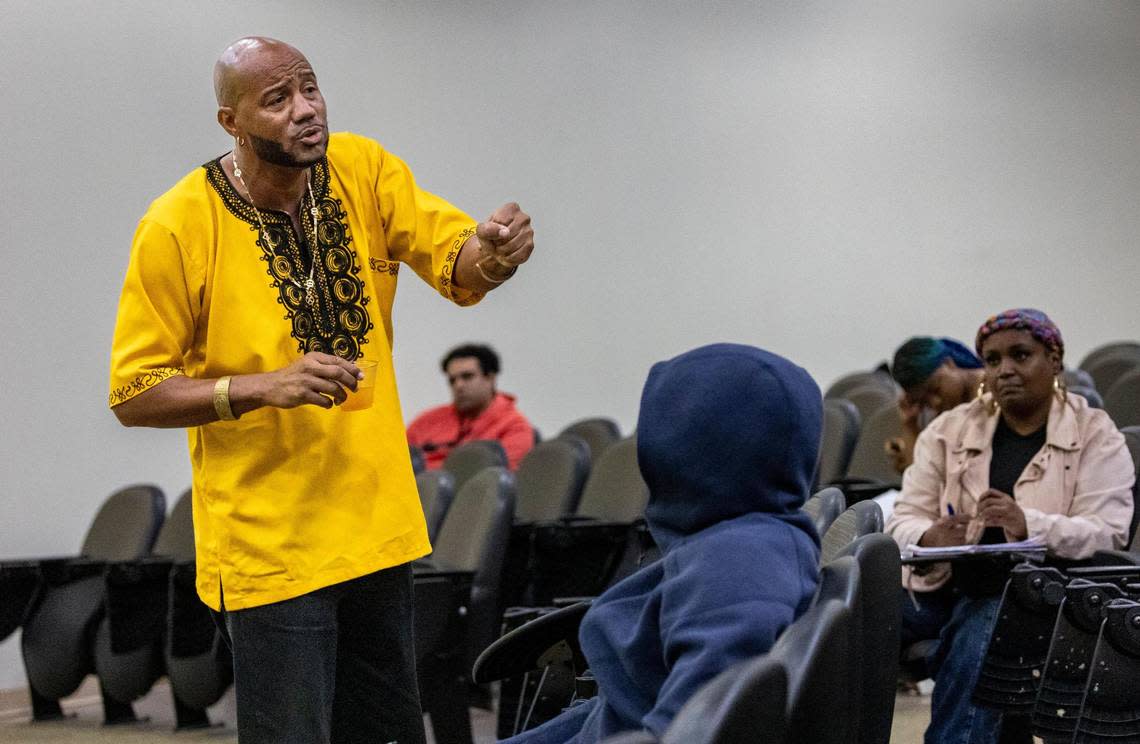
(441, 599)
(137, 599)
(1115, 558)
(60, 571)
(19, 585)
(532, 646)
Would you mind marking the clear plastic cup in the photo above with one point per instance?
(365, 388)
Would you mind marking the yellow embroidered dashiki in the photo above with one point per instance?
(287, 501)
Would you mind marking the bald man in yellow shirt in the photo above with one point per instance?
(257, 289)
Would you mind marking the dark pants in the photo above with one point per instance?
(335, 665)
(962, 626)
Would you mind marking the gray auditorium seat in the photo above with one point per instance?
(1122, 400)
(869, 460)
(849, 382)
(869, 399)
(824, 508)
(452, 630)
(840, 433)
(57, 634)
(1106, 369)
(469, 458)
(861, 518)
(437, 490)
(550, 479)
(598, 433)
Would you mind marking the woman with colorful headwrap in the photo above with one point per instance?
(1024, 459)
(936, 374)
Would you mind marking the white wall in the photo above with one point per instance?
(822, 179)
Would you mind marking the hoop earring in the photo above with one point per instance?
(1060, 389)
(992, 407)
(240, 141)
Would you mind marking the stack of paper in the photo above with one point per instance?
(1032, 545)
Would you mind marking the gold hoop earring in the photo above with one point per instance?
(992, 406)
(240, 141)
(1060, 389)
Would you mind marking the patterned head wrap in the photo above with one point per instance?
(1023, 319)
(916, 360)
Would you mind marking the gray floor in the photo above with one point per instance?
(911, 714)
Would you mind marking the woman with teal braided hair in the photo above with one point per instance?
(936, 374)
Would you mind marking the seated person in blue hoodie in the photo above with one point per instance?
(727, 440)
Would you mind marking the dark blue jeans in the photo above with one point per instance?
(335, 665)
(962, 626)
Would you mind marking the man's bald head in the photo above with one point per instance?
(241, 60)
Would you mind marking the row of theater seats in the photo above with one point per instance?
(830, 677)
(861, 415)
(1064, 656)
(125, 608)
(562, 523)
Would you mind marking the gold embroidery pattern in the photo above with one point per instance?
(339, 322)
(142, 383)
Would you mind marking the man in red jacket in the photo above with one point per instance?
(477, 410)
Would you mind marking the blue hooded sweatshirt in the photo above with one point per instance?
(727, 440)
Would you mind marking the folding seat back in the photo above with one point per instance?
(176, 538)
(1109, 367)
(861, 518)
(469, 458)
(869, 399)
(1019, 643)
(1110, 711)
(746, 699)
(437, 490)
(871, 378)
(840, 432)
(550, 478)
(579, 555)
(474, 538)
(869, 460)
(615, 490)
(1110, 349)
(57, 640)
(1122, 401)
(1066, 671)
(127, 524)
(879, 620)
(598, 433)
(129, 653)
(196, 659)
(814, 652)
(824, 508)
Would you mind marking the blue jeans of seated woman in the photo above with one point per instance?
(963, 626)
(334, 665)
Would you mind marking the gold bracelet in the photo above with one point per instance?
(479, 267)
(222, 399)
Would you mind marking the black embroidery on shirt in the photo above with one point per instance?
(447, 287)
(339, 323)
(141, 384)
(380, 266)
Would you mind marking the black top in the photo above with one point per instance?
(1012, 452)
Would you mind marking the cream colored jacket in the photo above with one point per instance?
(1076, 492)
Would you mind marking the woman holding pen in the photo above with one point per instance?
(1023, 459)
